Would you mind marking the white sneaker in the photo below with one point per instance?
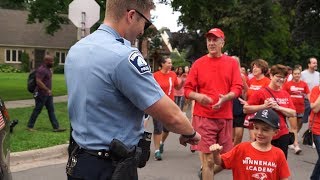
(297, 150)
(313, 146)
(291, 146)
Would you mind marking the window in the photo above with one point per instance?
(13, 55)
(61, 56)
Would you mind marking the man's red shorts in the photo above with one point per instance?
(213, 131)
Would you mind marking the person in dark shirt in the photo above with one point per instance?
(43, 95)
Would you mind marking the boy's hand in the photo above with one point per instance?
(215, 148)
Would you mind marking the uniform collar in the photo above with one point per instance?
(114, 33)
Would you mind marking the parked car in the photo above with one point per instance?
(6, 126)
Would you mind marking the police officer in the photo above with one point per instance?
(110, 87)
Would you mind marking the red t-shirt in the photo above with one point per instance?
(254, 85)
(247, 162)
(316, 120)
(212, 77)
(167, 82)
(283, 99)
(297, 91)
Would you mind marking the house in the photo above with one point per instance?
(16, 36)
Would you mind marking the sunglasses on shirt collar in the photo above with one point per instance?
(147, 23)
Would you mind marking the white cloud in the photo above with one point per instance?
(165, 17)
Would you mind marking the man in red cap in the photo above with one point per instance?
(213, 81)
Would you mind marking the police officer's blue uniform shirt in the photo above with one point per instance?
(109, 85)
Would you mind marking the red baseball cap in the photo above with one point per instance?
(217, 32)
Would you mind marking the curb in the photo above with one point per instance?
(26, 157)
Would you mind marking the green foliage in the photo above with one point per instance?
(179, 59)
(13, 4)
(5, 68)
(52, 12)
(25, 61)
(58, 69)
(254, 29)
(14, 86)
(22, 140)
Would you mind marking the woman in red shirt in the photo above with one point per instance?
(314, 123)
(168, 81)
(273, 96)
(298, 90)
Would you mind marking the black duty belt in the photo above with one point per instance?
(98, 153)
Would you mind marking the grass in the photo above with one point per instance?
(13, 86)
(22, 140)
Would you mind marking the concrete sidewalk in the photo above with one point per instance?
(20, 161)
(30, 102)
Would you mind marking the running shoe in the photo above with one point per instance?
(291, 146)
(161, 148)
(157, 156)
(297, 150)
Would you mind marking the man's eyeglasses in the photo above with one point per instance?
(148, 23)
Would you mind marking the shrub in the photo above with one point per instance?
(8, 69)
(25, 62)
(58, 69)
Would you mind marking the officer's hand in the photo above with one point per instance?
(193, 141)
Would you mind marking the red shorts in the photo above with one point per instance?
(213, 131)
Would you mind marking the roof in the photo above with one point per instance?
(15, 31)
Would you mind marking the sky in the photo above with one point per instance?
(165, 17)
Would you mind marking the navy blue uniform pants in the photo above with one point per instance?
(89, 167)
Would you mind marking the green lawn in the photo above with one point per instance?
(13, 86)
(22, 140)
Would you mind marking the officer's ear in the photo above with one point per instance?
(130, 15)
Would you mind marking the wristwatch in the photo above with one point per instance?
(190, 136)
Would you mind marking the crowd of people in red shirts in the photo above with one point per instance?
(225, 98)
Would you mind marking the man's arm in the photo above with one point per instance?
(42, 86)
(200, 98)
(166, 111)
(171, 116)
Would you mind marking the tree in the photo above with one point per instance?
(307, 22)
(13, 4)
(256, 28)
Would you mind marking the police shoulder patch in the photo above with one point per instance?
(136, 59)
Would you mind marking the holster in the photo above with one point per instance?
(125, 161)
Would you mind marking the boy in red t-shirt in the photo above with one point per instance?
(258, 159)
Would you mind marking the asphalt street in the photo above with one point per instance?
(178, 163)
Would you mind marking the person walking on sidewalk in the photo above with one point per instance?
(43, 95)
(110, 88)
(213, 82)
